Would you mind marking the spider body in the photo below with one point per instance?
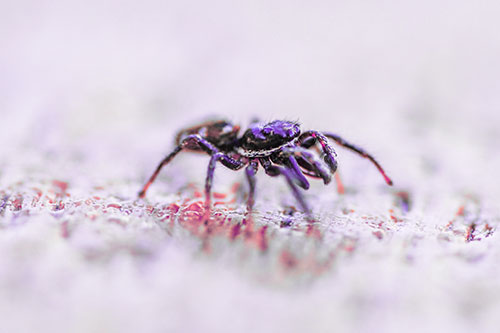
(262, 140)
(278, 146)
(219, 133)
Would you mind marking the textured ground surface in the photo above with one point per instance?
(80, 252)
(92, 95)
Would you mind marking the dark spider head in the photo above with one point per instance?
(269, 136)
(220, 133)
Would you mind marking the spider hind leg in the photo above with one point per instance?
(359, 151)
(204, 145)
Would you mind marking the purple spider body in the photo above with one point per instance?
(261, 139)
(279, 147)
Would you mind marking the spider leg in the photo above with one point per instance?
(313, 166)
(294, 166)
(318, 170)
(275, 170)
(360, 151)
(226, 161)
(308, 142)
(189, 140)
(164, 162)
(286, 157)
(250, 171)
(330, 154)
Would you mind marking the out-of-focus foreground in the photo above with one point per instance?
(92, 93)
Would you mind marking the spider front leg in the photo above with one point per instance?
(291, 178)
(360, 151)
(291, 163)
(312, 166)
(251, 171)
(330, 154)
(226, 161)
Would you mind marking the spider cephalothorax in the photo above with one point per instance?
(261, 140)
(279, 147)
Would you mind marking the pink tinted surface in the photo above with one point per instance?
(92, 94)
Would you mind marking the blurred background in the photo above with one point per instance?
(93, 92)
(416, 83)
(121, 74)
(94, 67)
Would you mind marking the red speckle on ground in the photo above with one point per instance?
(113, 205)
(217, 195)
(234, 231)
(116, 221)
(469, 236)
(346, 211)
(450, 224)
(349, 245)
(38, 192)
(340, 185)
(393, 217)
(403, 201)
(62, 186)
(463, 214)
(313, 232)
(235, 188)
(197, 207)
(150, 209)
(379, 234)
(59, 206)
(64, 229)
(173, 207)
(17, 203)
(259, 238)
(288, 260)
(488, 229)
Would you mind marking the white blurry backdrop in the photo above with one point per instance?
(97, 66)
(416, 83)
(377, 72)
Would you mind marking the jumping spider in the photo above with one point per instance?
(279, 147)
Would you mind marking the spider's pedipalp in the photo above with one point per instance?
(330, 154)
(312, 165)
(291, 178)
(293, 166)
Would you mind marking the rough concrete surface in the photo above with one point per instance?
(92, 94)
